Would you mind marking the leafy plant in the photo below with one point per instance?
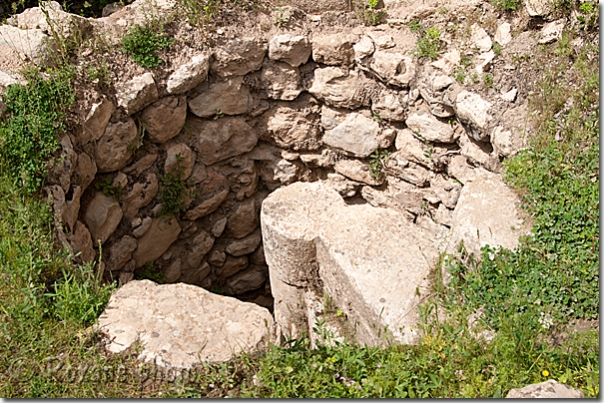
(174, 189)
(280, 19)
(428, 45)
(460, 75)
(369, 13)
(106, 186)
(142, 43)
(487, 79)
(377, 162)
(497, 49)
(34, 117)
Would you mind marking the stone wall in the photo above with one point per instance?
(247, 114)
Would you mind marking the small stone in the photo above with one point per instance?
(96, 122)
(141, 165)
(503, 35)
(356, 134)
(120, 252)
(357, 171)
(449, 62)
(244, 245)
(116, 146)
(181, 157)
(158, 238)
(281, 81)
(145, 225)
(480, 38)
(393, 68)
(232, 265)
(102, 217)
(334, 49)
(364, 48)
(549, 389)
(137, 93)
(430, 128)
(293, 50)
(141, 195)
(189, 75)
(552, 31)
(217, 258)
(165, 118)
(229, 97)
(244, 220)
(510, 96)
(248, 280)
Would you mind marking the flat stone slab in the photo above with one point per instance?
(545, 390)
(179, 325)
(372, 263)
(487, 213)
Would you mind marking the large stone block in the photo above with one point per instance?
(180, 325)
(372, 262)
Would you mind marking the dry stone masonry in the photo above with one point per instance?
(399, 163)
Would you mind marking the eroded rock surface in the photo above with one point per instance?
(180, 325)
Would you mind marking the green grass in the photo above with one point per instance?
(428, 44)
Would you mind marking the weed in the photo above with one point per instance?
(105, 186)
(200, 12)
(428, 45)
(497, 49)
(34, 117)
(377, 162)
(506, 5)
(79, 297)
(564, 46)
(460, 75)
(219, 114)
(141, 43)
(487, 79)
(474, 78)
(174, 190)
(369, 13)
(99, 74)
(280, 18)
(375, 115)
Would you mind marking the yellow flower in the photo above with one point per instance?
(545, 372)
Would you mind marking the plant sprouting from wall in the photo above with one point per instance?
(142, 43)
(369, 12)
(174, 189)
(377, 162)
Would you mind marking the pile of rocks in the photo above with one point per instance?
(249, 114)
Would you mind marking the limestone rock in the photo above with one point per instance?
(244, 245)
(295, 128)
(473, 110)
(509, 96)
(83, 242)
(96, 122)
(478, 153)
(198, 247)
(356, 134)
(180, 156)
(102, 217)
(538, 8)
(480, 38)
(487, 213)
(173, 272)
(50, 19)
(447, 190)
(207, 206)
(551, 31)
(140, 230)
(141, 195)
(136, 93)
(180, 325)
(85, 170)
(388, 105)
(232, 265)
(412, 149)
(195, 275)
(239, 57)
(242, 176)
(161, 234)
(229, 97)
(293, 50)
(244, 220)
(217, 140)
(393, 68)
(219, 226)
(189, 75)
(33, 44)
(549, 389)
(483, 61)
(363, 49)
(165, 118)
(141, 165)
(505, 142)
(339, 88)
(115, 147)
(357, 171)
(503, 35)
(120, 252)
(406, 170)
(429, 127)
(248, 280)
(449, 62)
(371, 262)
(281, 81)
(334, 49)
(459, 169)
(344, 186)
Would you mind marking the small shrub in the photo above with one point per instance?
(105, 186)
(34, 117)
(428, 45)
(370, 14)
(488, 80)
(497, 49)
(141, 43)
(377, 162)
(460, 75)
